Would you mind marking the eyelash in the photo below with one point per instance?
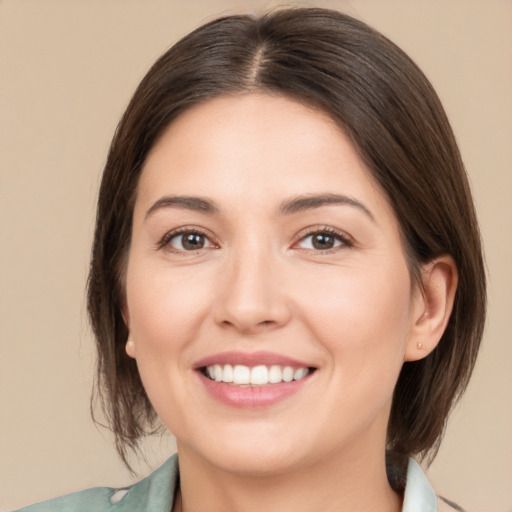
(168, 237)
(346, 241)
(339, 236)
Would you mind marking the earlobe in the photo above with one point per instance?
(130, 348)
(130, 345)
(439, 284)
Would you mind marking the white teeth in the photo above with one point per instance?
(259, 375)
(300, 373)
(288, 374)
(241, 374)
(275, 374)
(256, 376)
(228, 374)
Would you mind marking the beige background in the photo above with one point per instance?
(67, 70)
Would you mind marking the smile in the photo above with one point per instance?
(253, 380)
(261, 375)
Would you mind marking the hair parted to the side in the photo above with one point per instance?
(381, 99)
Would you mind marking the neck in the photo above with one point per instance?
(350, 484)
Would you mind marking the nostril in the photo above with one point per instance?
(249, 327)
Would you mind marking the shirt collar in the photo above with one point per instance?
(419, 495)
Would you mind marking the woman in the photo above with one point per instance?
(286, 270)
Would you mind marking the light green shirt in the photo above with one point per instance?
(156, 494)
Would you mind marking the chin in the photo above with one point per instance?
(248, 456)
(256, 464)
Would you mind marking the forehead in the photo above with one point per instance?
(244, 124)
(257, 147)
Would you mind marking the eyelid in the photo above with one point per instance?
(168, 236)
(347, 240)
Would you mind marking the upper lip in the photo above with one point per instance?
(250, 359)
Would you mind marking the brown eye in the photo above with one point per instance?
(190, 241)
(323, 241)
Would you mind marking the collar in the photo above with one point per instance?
(419, 495)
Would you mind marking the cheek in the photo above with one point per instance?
(166, 309)
(166, 313)
(362, 322)
(362, 316)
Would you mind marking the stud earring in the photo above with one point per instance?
(419, 345)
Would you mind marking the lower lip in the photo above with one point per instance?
(251, 396)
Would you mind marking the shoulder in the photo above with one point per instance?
(95, 499)
(155, 492)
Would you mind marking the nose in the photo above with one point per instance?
(254, 296)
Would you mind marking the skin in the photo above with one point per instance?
(259, 283)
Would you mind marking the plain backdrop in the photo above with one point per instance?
(67, 70)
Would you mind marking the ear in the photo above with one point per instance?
(130, 344)
(130, 348)
(433, 307)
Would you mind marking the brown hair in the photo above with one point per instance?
(382, 100)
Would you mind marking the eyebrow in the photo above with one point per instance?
(196, 204)
(310, 202)
(288, 207)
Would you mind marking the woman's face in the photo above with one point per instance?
(264, 251)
